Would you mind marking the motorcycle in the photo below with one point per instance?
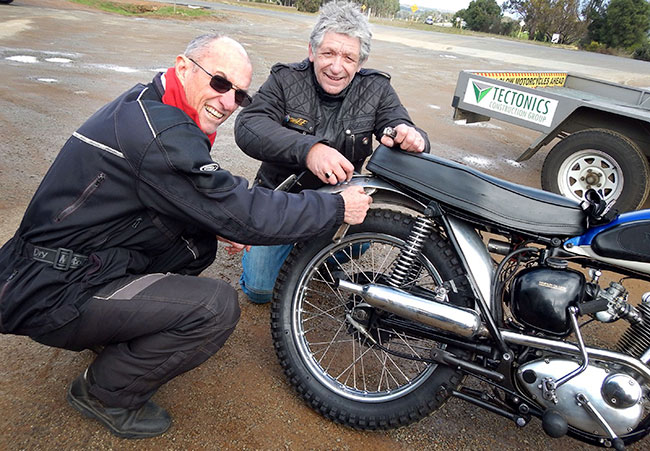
(457, 276)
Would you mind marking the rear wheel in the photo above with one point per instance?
(602, 160)
(334, 366)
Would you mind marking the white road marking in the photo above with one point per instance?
(478, 161)
(23, 59)
(58, 60)
(115, 68)
(464, 123)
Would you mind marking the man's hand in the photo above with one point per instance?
(357, 203)
(328, 164)
(233, 248)
(407, 137)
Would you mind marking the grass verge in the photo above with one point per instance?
(145, 9)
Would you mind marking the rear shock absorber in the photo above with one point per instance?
(406, 266)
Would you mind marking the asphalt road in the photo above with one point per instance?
(60, 62)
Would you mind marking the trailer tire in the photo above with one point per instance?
(601, 159)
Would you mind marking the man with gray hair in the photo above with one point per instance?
(128, 215)
(317, 118)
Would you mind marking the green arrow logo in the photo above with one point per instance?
(480, 92)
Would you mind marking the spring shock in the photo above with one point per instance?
(406, 263)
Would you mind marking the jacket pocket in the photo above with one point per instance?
(358, 144)
(90, 189)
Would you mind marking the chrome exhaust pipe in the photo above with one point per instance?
(457, 320)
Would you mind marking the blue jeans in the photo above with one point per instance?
(261, 266)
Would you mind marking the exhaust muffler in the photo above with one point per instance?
(457, 320)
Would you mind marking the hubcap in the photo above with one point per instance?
(590, 169)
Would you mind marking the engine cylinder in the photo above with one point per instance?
(636, 339)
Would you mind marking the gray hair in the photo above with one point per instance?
(344, 18)
(200, 45)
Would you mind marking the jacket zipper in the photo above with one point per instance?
(9, 279)
(84, 196)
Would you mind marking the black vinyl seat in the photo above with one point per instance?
(515, 206)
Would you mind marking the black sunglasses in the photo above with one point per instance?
(223, 85)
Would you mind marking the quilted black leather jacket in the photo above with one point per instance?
(291, 113)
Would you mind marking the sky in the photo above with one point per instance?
(442, 5)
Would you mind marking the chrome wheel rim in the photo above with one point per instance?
(336, 355)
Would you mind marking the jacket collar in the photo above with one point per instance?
(158, 84)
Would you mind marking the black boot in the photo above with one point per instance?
(149, 420)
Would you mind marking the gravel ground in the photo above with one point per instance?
(60, 62)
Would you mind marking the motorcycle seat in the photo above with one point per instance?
(463, 188)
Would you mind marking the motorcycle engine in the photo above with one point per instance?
(539, 297)
(617, 396)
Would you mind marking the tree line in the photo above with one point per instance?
(607, 26)
(379, 8)
(597, 25)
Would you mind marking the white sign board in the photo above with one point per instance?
(512, 102)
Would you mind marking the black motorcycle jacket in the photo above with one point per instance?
(291, 113)
(134, 191)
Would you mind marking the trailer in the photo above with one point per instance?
(603, 128)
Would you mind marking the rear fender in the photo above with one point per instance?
(382, 192)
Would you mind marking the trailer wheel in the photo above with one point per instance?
(600, 159)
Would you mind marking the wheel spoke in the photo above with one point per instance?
(354, 361)
(325, 343)
(322, 312)
(386, 357)
(329, 346)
